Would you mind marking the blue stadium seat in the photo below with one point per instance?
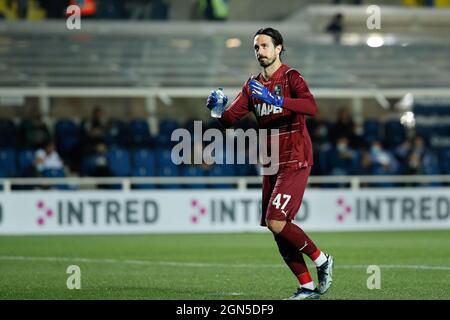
(189, 125)
(431, 167)
(54, 173)
(67, 137)
(380, 171)
(139, 133)
(425, 132)
(431, 164)
(163, 139)
(118, 133)
(442, 130)
(430, 110)
(325, 160)
(143, 172)
(169, 171)
(244, 170)
(444, 159)
(87, 165)
(371, 130)
(164, 157)
(194, 171)
(66, 126)
(221, 170)
(168, 126)
(144, 158)
(9, 137)
(394, 133)
(8, 167)
(338, 164)
(119, 160)
(26, 163)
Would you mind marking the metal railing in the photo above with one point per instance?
(241, 183)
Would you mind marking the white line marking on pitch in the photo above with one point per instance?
(226, 294)
(207, 265)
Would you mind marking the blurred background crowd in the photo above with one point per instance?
(45, 135)
(154, 9)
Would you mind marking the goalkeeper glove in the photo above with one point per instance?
(213, 101)
(262, 93)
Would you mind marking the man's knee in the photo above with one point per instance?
(275, 226)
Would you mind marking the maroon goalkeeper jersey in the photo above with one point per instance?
(295, 149)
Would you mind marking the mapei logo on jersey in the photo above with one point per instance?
(265, 109)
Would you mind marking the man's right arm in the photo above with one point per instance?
(238, 109)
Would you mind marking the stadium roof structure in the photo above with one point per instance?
(185, 59)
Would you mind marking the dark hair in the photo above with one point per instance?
(276, 36)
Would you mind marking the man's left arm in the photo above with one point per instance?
(302, 100)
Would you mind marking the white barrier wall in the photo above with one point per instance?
(217, 211)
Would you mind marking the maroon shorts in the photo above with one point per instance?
(283, 194)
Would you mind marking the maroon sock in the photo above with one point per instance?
(298, 238)
(291, 256)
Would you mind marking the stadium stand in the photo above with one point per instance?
(170, 66)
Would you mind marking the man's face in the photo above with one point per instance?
(265, 51)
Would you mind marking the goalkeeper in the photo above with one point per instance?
(280, 99)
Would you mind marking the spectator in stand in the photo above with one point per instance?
(417, 157)
(412, 153)
(357, 139)
(336, 27)
(344, 125)
(320, 135)
(402, 151)
(94, 130)
(365, 167)
(101, 162)
(35, 133)
(319, 129)
(383, 161)
(47, 158)
(101, 165)
(343, 158)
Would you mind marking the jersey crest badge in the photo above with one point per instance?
(277, 90)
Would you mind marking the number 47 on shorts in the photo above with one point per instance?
(277, 201)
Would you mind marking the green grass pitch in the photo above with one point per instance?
(414, 265)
